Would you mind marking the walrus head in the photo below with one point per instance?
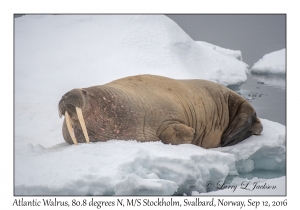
(71, 105)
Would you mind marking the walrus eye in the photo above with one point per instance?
(84, 92)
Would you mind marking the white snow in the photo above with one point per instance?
(231, 53)
(272, 63)
(54, 54)
(152, 168)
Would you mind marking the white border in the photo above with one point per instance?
(8, 8)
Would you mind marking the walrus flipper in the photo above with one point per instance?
(177, 134)
(243, 126)
(256, 127)
(236, 133)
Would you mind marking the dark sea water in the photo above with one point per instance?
(267, 94)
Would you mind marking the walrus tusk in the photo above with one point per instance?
(70, 129)
(82, 123)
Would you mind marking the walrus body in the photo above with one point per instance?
(154, 108)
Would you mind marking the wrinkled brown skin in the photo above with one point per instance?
(153, 108)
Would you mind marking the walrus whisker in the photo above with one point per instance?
(70, 129)
(82, 123)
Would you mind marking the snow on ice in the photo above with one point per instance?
(152, 168)
(272, 63)
(271, 69)
(54, 54)
(231, 53)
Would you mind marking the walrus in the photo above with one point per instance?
(155, 108)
